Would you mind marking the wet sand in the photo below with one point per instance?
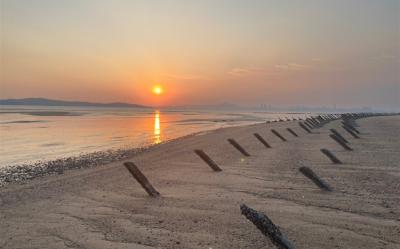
(104, 207)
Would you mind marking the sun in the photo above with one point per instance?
(157, 90)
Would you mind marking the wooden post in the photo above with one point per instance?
(313, 177)
(238, 147)
(330, 155)
(314, 121)
(304, 127)
(262, 140)
(141, 179)
(278, 135)
(339, 135)
(208, 160)
(267, 227)
(350, 132)
(351, 127)
(343, 144)
(309, 124)
(292, 132)
(319, 123)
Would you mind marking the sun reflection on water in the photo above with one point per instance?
(157, 128)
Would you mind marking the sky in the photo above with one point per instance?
(275, 52)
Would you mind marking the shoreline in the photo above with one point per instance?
(45, 145)
(22, 173)
(19, 174)
(104, 207)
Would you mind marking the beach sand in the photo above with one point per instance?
(104, 207)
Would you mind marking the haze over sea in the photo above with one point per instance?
(29, 134)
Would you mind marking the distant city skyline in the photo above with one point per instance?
(279, 53)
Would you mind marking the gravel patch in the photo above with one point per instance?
(24, 172)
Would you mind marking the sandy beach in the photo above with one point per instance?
(104, 207)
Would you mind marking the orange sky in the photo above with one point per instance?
(203, 52)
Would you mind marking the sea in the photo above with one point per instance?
(29, 134)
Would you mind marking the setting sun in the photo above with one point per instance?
(157, 90)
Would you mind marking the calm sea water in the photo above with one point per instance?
(29, 134)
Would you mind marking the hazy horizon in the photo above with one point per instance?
(222, 105)
(279, 53)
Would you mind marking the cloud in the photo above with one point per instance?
(271, 71)
(293, 67)
(243, 71)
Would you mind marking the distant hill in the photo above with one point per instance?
(52, 102)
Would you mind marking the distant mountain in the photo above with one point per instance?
(52, 102)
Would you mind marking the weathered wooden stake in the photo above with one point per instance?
(292, 132)
(309, 124)
(304, 127)
(340, 138)
(208, 160)
(141, 179)
(238, 147)
(262, 140)
(267, 227)
(278, 135)
(339, 141)
(316, 122)
(313, 122)
(339, 135)
(331, 156)
(313, 177)
(351, 127)
(350, 132)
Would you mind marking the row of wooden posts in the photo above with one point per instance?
(263, 223)
(308, 124)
